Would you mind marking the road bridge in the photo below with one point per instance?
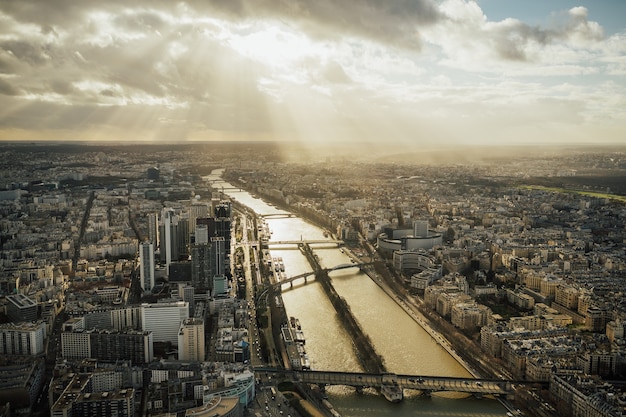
(426, 384)
(305, 275)
(308, 242)
(277, 215)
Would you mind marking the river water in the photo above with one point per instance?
(405, 346)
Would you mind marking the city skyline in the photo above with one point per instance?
(421, 72)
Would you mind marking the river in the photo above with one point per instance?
(405, 346)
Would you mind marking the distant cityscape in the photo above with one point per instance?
(128, 280)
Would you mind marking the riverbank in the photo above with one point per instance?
(409, 305)
(368, 406)
(396, 291)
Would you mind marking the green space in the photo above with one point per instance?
(615, 197)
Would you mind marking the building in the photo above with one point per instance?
(420, 228)
(119, 403)
(207, 261)
(126, 318)
(403, 239)
(113, 346)
(168, 236)
(238, 385)
(75, 344)
(21, 308)
(21, 379)
(146, 265)
(217, 407)
(108, 345)
(191, 340)
(25, 338)
(153, 173)
(153, 228)
(197, 210)
(164, 319)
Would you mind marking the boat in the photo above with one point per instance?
(393, 393)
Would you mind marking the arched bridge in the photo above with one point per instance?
(304, 275)
(426, 384)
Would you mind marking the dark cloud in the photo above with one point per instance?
(8, 89)
(26, 51)
(390, 21)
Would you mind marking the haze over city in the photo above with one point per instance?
(419, 72)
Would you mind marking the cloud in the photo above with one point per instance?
(466, 33)
(298, 68)
(7, 89)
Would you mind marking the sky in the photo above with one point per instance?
(398, 72)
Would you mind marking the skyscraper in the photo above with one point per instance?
(153, 228)
(222, 229)
(146, 264)
(197, 210)
(207, 260)
(168, 236)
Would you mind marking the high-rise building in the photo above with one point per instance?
(163, 319)
(207, 261)
(420, 228)
(219, 285)
(218, 256)
(222, 222)
(202, 234)
(200, 269)
(197, 210)
(182, 234)
(153, 228)
(168, 236)
(146, 263)
(222, 229)
(191, 340)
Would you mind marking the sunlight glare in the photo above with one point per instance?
(275, 46)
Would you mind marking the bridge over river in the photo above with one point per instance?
(305, 275)
(423, 383)
(308, 242)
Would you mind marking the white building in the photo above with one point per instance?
(164, 319)
(26, 338)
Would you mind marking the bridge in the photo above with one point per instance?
(426, 384)
(217, 184)
(309, 242)
(305, 275)
(277, 215)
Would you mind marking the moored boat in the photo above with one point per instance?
(392, 393)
